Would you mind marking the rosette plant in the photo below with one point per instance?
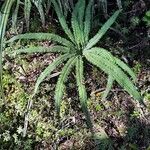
(75, 49)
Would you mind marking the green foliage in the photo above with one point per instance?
(108, 87)
(27, 8)
(4, 14)
(137, 68)
(28, 5)
(61, 82)
(81, 46)
(13, 106)
(81, 89)
(103, 141)
(146, 18)
(135, 21)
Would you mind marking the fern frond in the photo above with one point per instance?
(49, 69)
(123, 66)
(113, 70)
(42, 49)
(102, 31)
(27, 11)
(87, 22)
(59, 91)
(63, 21)
(108, 87)
(41, 36)
(82, 90)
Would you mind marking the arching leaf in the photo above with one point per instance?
(59, 91)
(49, 69)
(102, 31)
(62, 20)
(41, 49)
(82, 90)
(113, 70)
(41, 36)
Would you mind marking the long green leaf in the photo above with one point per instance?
(76, 26)
(62, 21)
(103, 53)
(87, 22)
(41, 49)
(82, 90)
(110, 57)
(41, 36)
(59, 91)
(4, 14)
(49, 69)
(125, 68)
(102, 31)
(81, 13)
(27, 11)
(113, 70)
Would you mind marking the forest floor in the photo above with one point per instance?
(120, 123)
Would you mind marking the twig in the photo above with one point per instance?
(102, 89)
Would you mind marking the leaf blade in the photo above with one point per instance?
(27, 11)
(41, 36)
(125, 68)
(49, 69)
(102, 31)
(87, 22)
(59, 90)
(63, 21)
(41, 49)
(4, 14)
(82, 91)
(116, 72)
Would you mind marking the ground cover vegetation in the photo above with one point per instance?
(74, 74)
